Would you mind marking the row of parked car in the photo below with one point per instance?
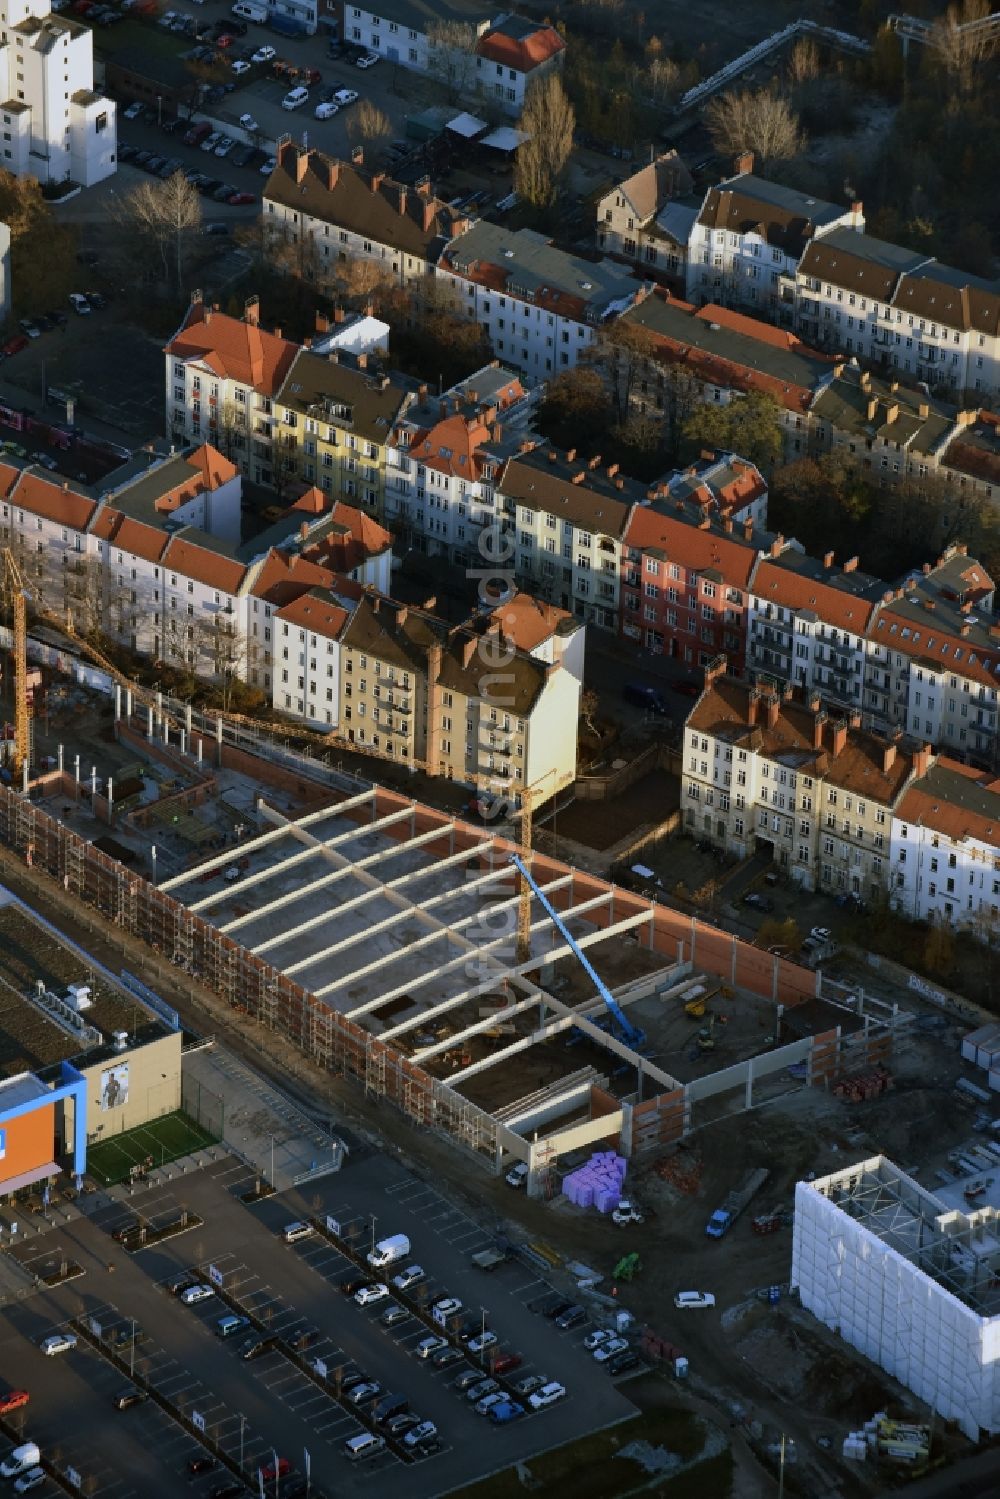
(166, 166)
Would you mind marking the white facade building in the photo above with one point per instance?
(55, 126)
(539, 306)
(909, 1279)
(946, 849)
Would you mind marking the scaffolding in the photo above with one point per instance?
(183, 953)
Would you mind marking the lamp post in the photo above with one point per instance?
(131, 1362)
(374, 1221)
(243, 1427)
(272, 1160)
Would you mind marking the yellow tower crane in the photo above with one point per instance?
(528, 798)
(19, 607)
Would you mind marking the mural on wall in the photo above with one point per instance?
(114, 1086)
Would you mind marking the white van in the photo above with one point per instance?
(295, 98)
(365, 1444)
(20, 1460)
(293, 1232)
(250, 10)
(388, 1251)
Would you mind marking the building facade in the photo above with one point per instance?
(946, 850)
(56, 127)
(639, 221)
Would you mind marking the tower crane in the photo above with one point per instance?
(617, 1022)
(19, 605)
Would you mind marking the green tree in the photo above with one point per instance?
(749, 425)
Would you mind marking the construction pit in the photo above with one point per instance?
(383, 937)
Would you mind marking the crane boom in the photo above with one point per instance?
(630, 1033)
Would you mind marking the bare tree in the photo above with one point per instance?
(451, 55)
(166, 215)
(803, 63)
(961, 43)
(624, 351)
(760, 122)
(549, 121)
(664, 79)
(368, 122)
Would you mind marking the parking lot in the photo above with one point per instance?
(295, 1398)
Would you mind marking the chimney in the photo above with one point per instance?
(888, 758)
(339, 314)
(743, 162)
(401, 617)
(431, 604)
(772, 707)
(301, 166)
(727, 524)
(424, 187)
(827, 559)
(304, 530)
(748, 528)
(472, 396)
(276, 332)
(570, 454)
(923, 411)
(377, 180)
(595, 462)
(872, 408)
(715, 669)
(430, 214)
(612, 470)
(358, 156)
(496, 432)
(442, 409)
(838, 739)
(468, 650)
(619, 483)
(421, 393)
(322, 323)
(819, 719)
(893, 386)
(251, 311)
(922, 761)
(307, 342)
(851, 565)
(857, 212)
(838, 370)
(579, 478)
(375, 603)
(753, 707)
(891, 413)
(332, 174)
(362, 361)
(777, 546)
(401, 205)
(286, 151)
(552, 455)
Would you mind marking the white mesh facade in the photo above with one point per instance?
(854, 1261)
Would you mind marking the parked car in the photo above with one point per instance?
(58, 1342)
(229, 1326)
(607, 1350)
(203, 1464)
(821, 934)
(506, 1363)
(125, 1399)
(276, 1468)
(196, 1293)
(557, 1310)
(14, 345)
(430, 1345)
(240, 66)
(495, 1397)
(295, 98)
(264, 54)
(411, 1276)
(405, 1421)
(622, 1362)
(423, 1436)
(14, 1400)
(547, 1395)
(211, 140)
(467, 1379)
(268, 166)
(368, 60)
(480, 1390)
(351, 1284)
(505, 1411)
(758, 901)
(686, 1300)
(225, 146)
(345, 96)
(256, 1346)
(595, 1338)
(371, 1295)
(241, 200)
(31, 329)
(445, 1357)
(571, 1317)
(530, 1383)
(364, 1394)
(393, 1315)
(478, 1344)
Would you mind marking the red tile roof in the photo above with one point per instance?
(450, 446)
(949, 651)
(209, 471)
(204, 566)
(139, 539)
(284, 578)
(321, 616)
(8, 478)
(526, 621)
(233, 349)
(42, 496)
(523, 54)
(696, 549)
(780, 585)
(928, 803)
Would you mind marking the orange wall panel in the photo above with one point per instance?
(30, 1142)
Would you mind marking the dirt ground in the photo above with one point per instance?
(601, 824)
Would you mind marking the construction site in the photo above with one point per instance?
(525, 1010)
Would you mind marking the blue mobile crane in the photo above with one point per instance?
(617, 1022)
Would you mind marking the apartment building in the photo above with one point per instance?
(511, 56)
(56, 125)
(471, 707)
(443, 460)
(933, 658)
(332, 422)
(566, 524)
(901, 311)
(221, 376)
(345, 213)
(946, 849)
(642, 222)
(684, 587)
(404, 32)
(808, 621)
(726, 354)
(769, 769)
(305, 680)
(539, 629)
(748, 240)
(539, 306)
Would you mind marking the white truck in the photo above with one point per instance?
(388, 1251)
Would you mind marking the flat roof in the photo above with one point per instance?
(31, 1039)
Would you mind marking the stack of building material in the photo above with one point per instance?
(681, 1172)
(598, 1184)
(855, 1447)
(982, 1047)
(867, 1085)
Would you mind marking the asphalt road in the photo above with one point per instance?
(292, 1290)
